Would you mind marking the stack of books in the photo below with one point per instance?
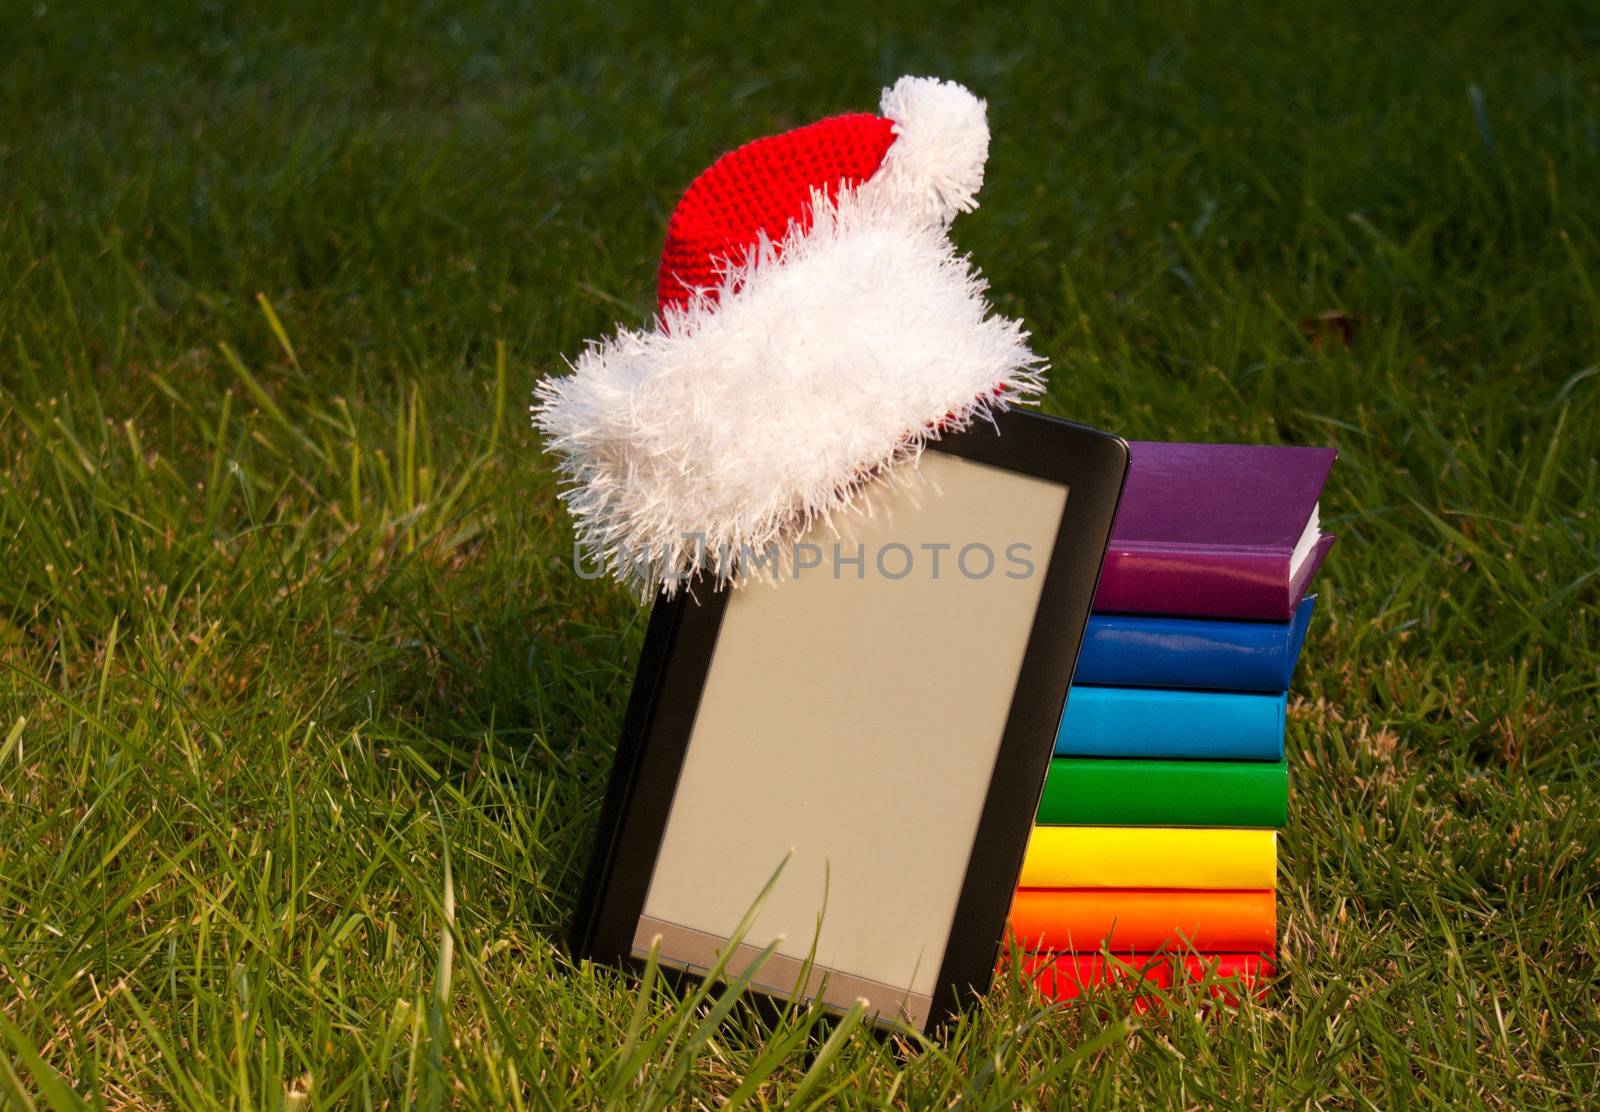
(1154, 853)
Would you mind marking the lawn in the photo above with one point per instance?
(305, 719)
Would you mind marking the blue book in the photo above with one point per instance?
(1159, 722)
(1136, 650)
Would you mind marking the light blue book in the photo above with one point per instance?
(1157, 722)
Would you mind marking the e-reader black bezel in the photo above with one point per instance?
(681, 639)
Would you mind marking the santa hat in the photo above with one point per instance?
(816, 328)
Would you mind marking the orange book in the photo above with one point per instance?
(1141, 920)
(1066, 976)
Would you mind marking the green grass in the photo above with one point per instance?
(304, 720)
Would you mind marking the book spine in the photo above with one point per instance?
(1154, 722)
(1248, 584)
(1094, 791)
(1131, 650)
(1143, 920)
(1067, 976)
(1149, 857)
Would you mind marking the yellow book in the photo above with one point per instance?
(1149, 857)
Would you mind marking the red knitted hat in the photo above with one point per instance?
(816, 327)
(759, 190)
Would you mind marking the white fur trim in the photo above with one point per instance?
(743, 420)
(935, 164)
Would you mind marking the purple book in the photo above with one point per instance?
(1216, 531)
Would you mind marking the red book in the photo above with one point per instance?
(1066, 976)
(1216, 531)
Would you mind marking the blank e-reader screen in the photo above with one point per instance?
(850, 722)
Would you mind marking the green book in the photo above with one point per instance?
(1105, 791)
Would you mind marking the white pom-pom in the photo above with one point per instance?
(934, 168)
